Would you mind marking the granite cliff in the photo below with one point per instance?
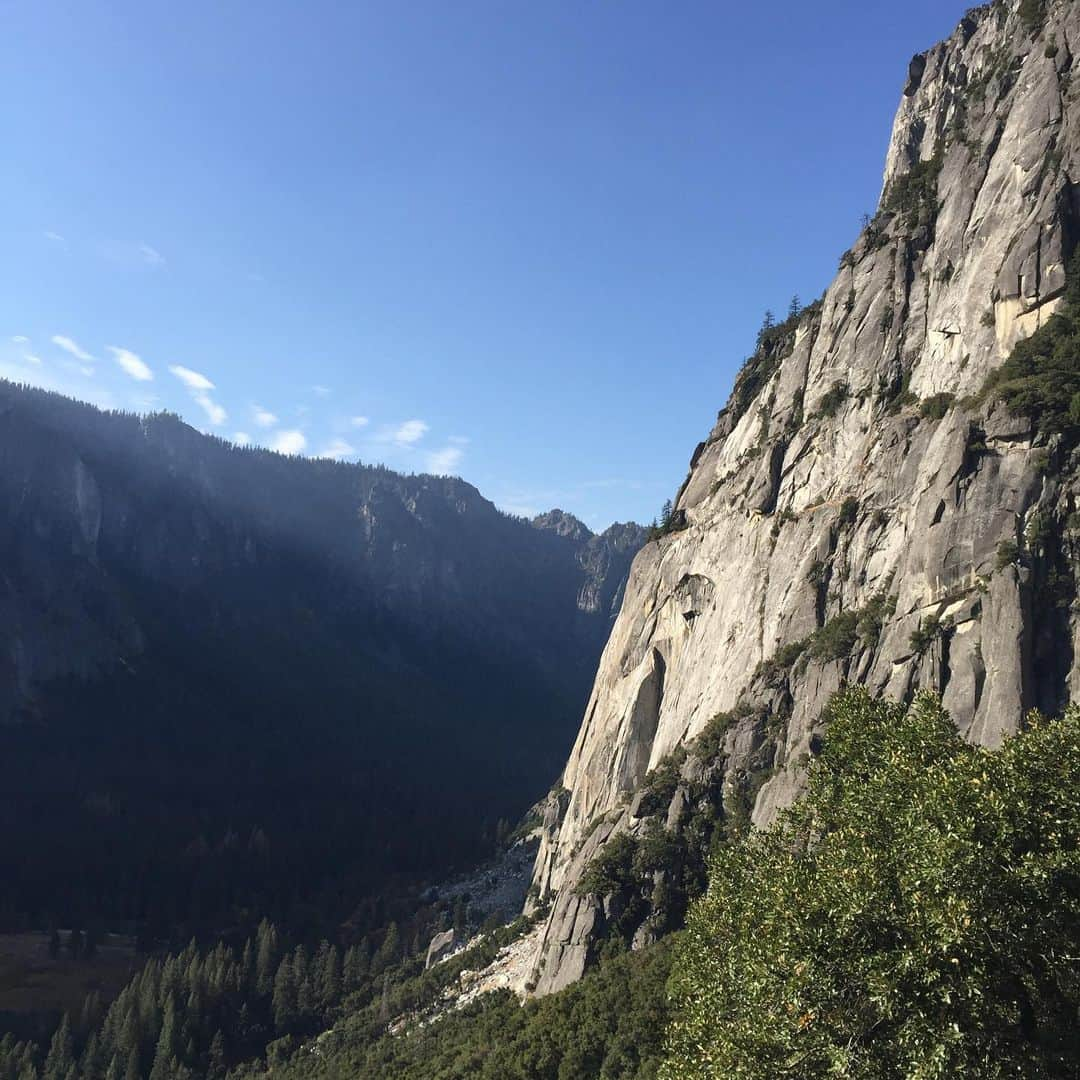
(863, 511)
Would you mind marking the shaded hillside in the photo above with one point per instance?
(232, 681)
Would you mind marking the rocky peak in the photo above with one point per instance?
(562, 524)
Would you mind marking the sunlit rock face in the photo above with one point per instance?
(839, 483)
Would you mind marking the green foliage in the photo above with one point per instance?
(610, 1024)
(611, 869)
(774, 344)
(708, 746)
(917, 916)
(830, 402)
(1041, 379)
(1008, 551)
(661, 782)
(1033, 15)
(671, 520)
(196, 1013)
(925, 634)
(777, 666)
(936, 406)
(872, 618)
(914, 195)
(849, 511)
(836, 639)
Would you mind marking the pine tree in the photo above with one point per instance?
(266, 961)
(665, 515)
(247, 966)
(61, 1056)
(305, 989)
(284, 999)
(461, 914)
(356, 966)
(93, 1060)
(215, 1063)
(165, 1054)
(794, 307)
(91, 1012)
(389, 951)
(384, 1004)
(329, 990)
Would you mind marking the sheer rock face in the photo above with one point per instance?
(829, 486)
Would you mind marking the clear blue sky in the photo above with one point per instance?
(526, 243)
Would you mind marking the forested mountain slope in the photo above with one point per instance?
(235, 682)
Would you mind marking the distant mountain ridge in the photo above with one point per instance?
(172, 606)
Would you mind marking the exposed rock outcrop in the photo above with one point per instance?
(853, 514)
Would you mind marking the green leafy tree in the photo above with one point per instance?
(918, 915)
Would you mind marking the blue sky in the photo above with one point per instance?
(525, 243)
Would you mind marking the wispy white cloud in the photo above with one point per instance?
(264, 418)
(445, 461)
(151, 256)
(55, 238)
(52, 377)
(20, 339)
(288, 442)
(62, 341)
(215, 413)
(133, 365)
(410, 433)
(460, 440)
(193, 380)
(320, 391)
(359, 421)
(241, 438)
(30, 358)
(337, 450)
(200, 385)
